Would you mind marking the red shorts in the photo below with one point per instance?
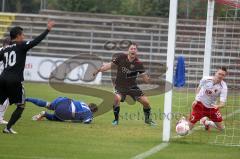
(199, 111)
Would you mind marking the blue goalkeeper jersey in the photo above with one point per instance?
(70, 109)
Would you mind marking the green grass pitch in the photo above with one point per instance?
(65, 140)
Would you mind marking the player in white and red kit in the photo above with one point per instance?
(206, 105)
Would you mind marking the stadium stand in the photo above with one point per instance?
(77, 33)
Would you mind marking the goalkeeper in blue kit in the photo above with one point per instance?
(65, 109)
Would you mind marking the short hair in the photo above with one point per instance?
(223, 68)
(15, 31)
(6, 41)
(93, 107)
(133, 43)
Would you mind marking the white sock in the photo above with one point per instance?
(210, 123)
(3, 108)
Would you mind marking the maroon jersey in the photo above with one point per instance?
(127, 71)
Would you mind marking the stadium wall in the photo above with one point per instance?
(77, 33)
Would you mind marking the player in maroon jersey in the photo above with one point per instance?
(128, 68)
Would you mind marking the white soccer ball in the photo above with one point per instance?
(182, 128)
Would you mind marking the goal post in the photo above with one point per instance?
(208, 38)
(206, 44)
(170, 66)
(171, 53)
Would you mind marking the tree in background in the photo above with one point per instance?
(124, 7)
(22, 6)
(94, 6)
(187, 9)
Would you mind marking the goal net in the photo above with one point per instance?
(190, 44)
(227, 45)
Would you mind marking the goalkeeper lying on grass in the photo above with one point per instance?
(65, 109)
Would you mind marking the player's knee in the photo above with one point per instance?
(117, 98)
(146, 105)
(145, 102)
(18, 112)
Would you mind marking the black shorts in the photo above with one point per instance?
(12, 90)
(134, 92)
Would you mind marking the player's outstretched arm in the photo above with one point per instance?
(38, 39)
(103, 68)
(223, 98)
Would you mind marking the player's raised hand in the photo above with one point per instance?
(50, 24)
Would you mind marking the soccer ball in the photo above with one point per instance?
(182, 128)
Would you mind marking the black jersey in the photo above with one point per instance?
(127, 71)
(14, 57)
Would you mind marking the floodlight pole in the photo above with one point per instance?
(208, 38)
(170, 65)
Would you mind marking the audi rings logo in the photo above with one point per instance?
(72, 70)
(117, 45)
(53, 64)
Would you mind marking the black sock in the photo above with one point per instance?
(15, 116)
(147, 112)
(116, 110)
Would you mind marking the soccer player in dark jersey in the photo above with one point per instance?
(128, 68)
(65, 109)
(14, 57)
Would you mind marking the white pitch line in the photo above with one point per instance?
(231, 114)
(164, 145)
(151, 151)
